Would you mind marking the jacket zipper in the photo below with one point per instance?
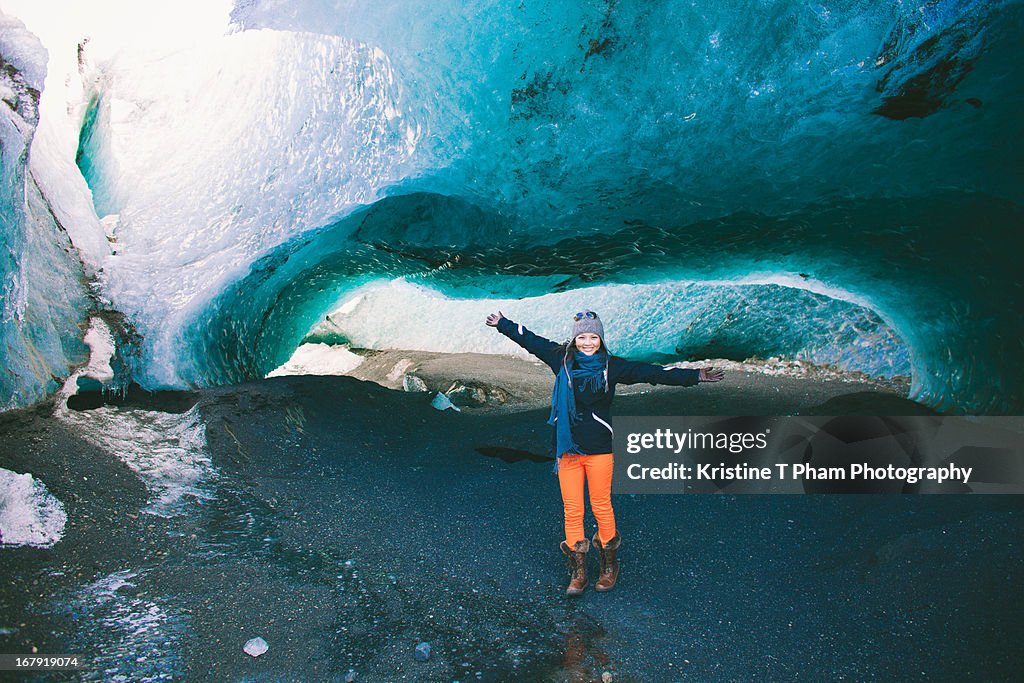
(594, 415)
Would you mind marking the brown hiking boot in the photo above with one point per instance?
(609, 564)
(577, 566)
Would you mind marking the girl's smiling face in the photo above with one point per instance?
(588, 343)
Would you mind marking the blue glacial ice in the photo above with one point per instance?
(838, 183)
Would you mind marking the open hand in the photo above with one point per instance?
(493, 318)
(711, 375)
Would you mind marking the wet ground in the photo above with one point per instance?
(345, 524)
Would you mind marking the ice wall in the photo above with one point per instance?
(205, 160)
(43, 297)
(29, 514)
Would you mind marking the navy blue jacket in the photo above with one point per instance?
(594, 433)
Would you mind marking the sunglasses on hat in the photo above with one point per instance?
(585, 314)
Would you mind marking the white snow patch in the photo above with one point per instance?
(100, 341)
(29, 514)
(319, 359)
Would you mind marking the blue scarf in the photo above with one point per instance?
(588, 375)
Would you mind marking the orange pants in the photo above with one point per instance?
(596, 471)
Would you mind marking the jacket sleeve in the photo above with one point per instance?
(544, 349)
(633, 372)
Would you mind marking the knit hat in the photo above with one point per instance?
(587, 321)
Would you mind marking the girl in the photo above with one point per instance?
(585, 379)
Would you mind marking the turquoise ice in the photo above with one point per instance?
(837, 183)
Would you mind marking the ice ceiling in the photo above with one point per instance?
(837, 183)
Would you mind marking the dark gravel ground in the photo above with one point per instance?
(350, 523)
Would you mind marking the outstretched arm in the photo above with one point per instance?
(544, 349)
(633, 372)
